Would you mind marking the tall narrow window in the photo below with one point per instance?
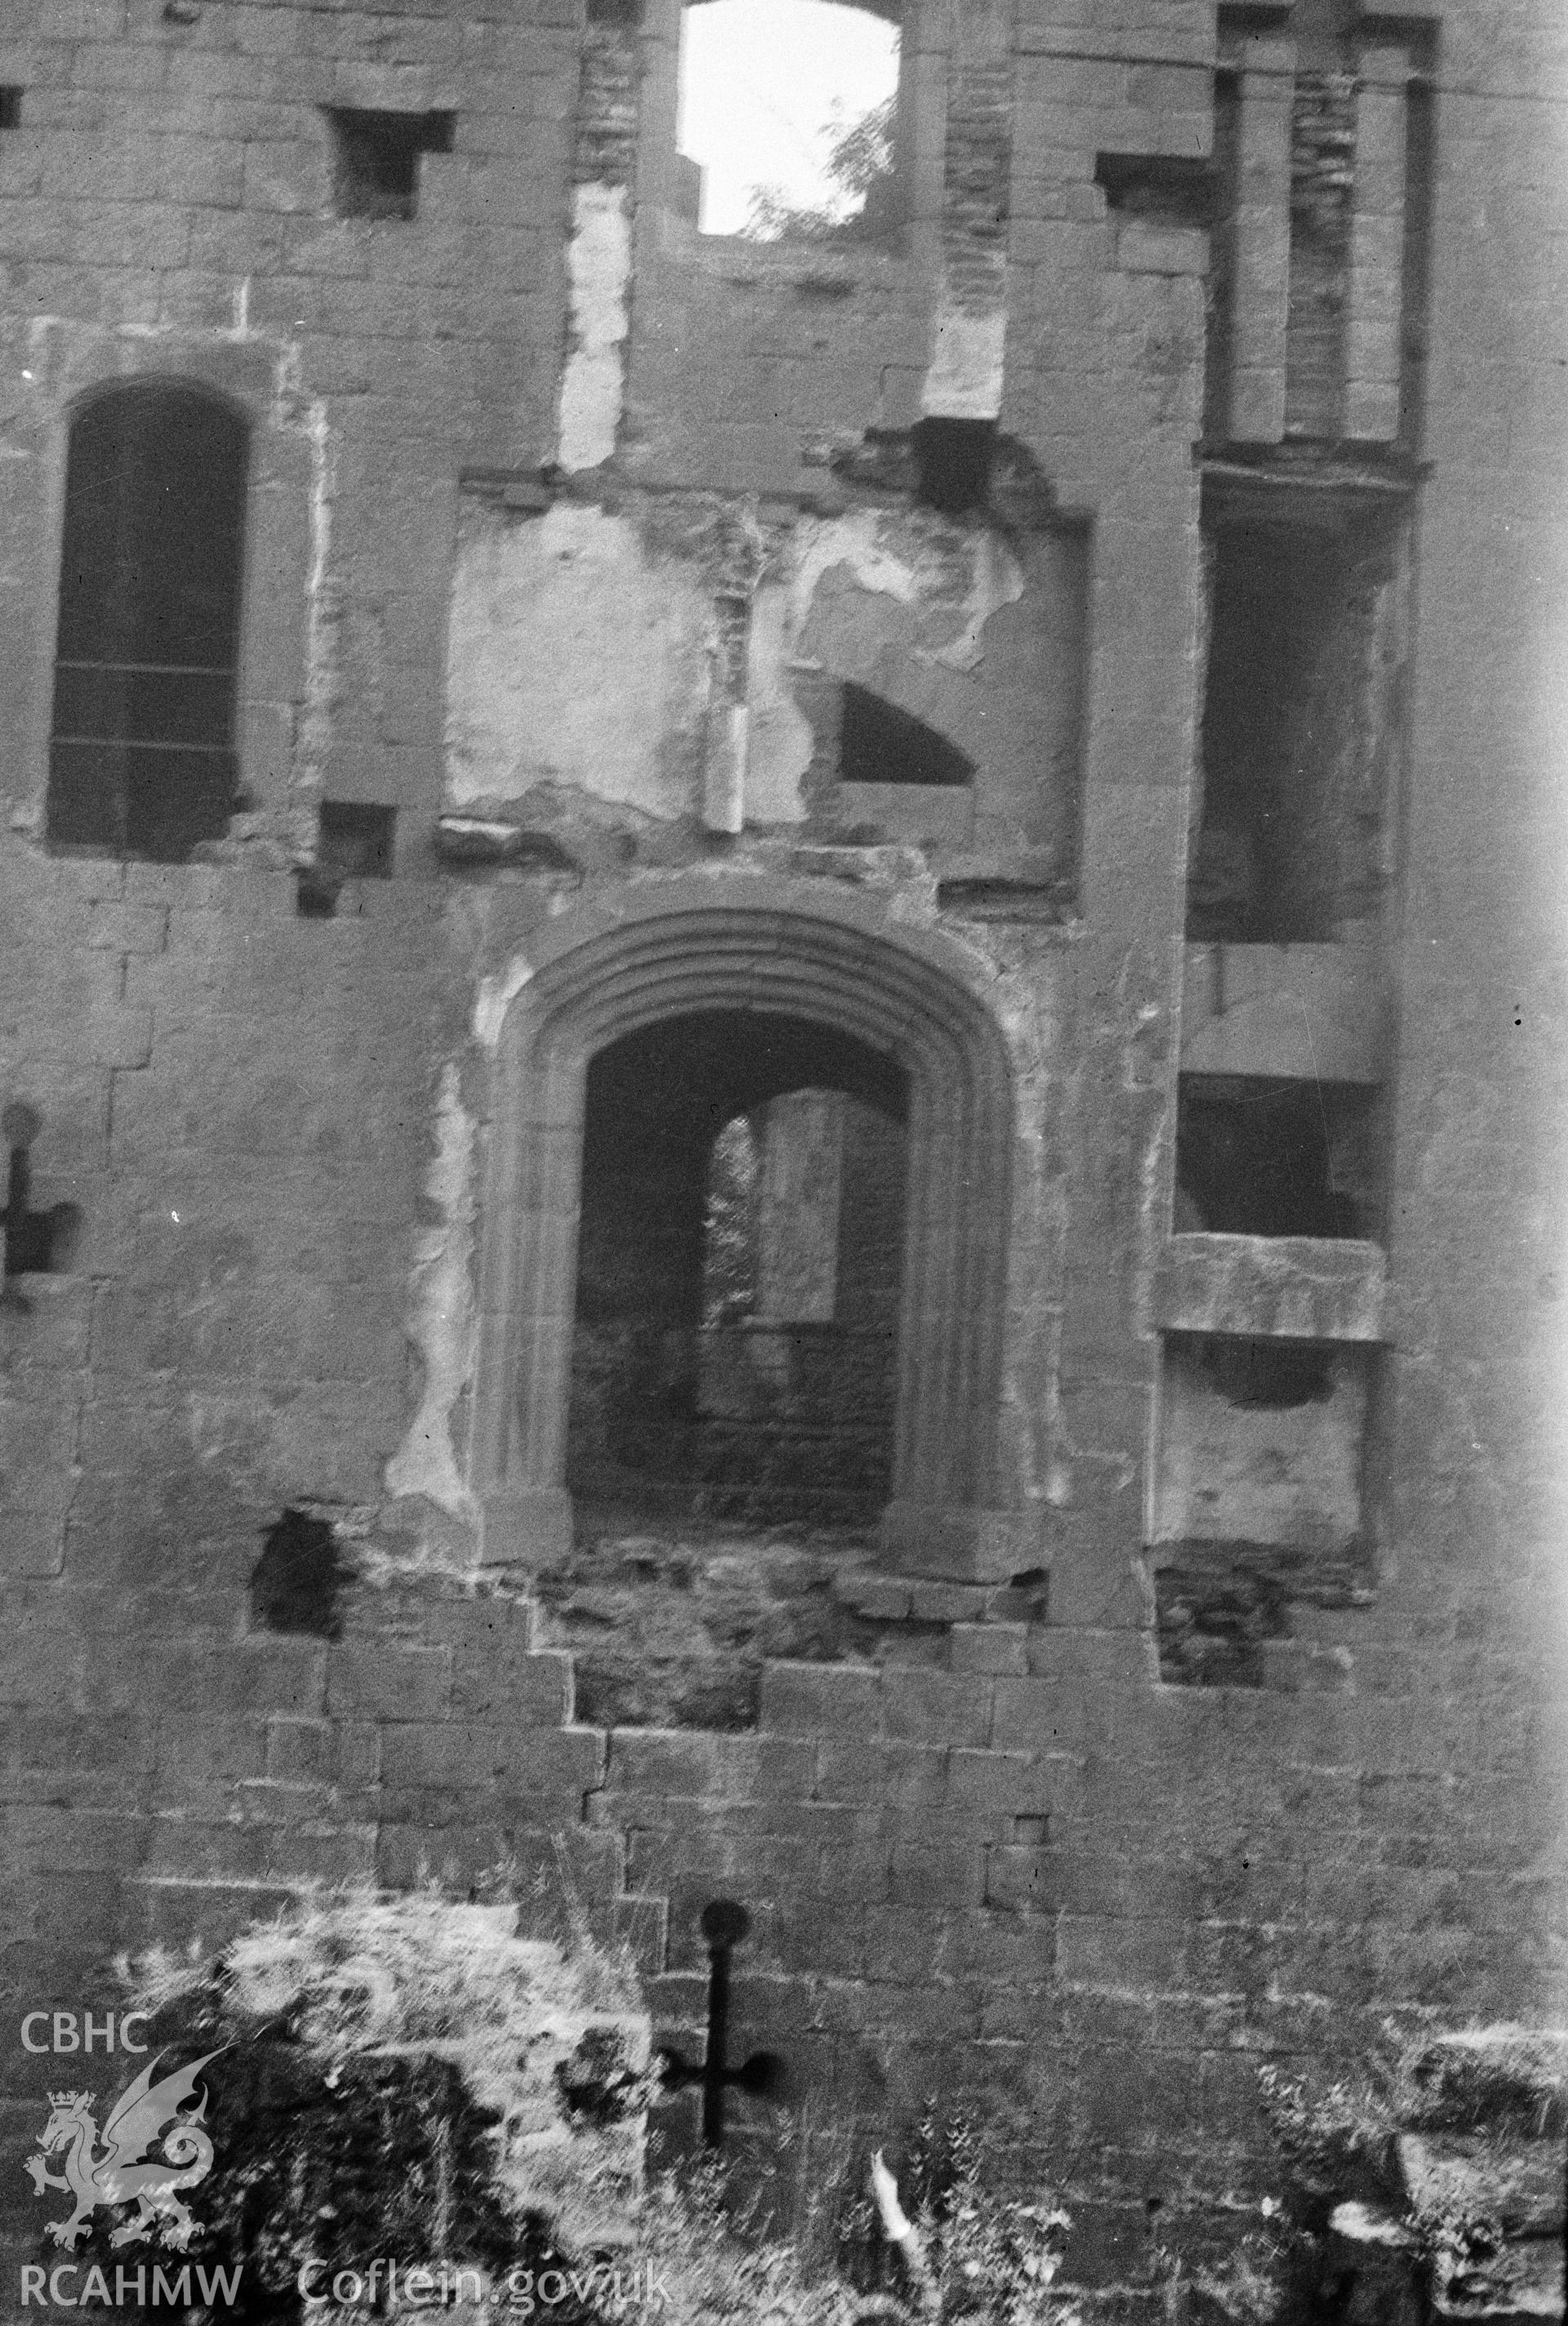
(142, 761)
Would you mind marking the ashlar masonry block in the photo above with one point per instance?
(1262, 244)
(1374, 325)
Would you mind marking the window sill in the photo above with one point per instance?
(1285, 1288)
(829, 269)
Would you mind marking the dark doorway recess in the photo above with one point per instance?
(1300, 723)
(734, 1350)
(902, 1011)
(142, 761)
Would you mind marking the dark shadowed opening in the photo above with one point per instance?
(739, 1271)
(356, 840)
(1260, 1157)
(298, 1578)
(39, 1241)
(1298, 728)
(142, 761)
(1251, 1372)
(952, 460)
(354, 843)
(880, 744)
(376, 158)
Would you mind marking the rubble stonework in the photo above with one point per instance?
(1192, 1697)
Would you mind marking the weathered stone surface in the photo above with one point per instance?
(988, 1848)
(1303, 1011)
(1298, 1287)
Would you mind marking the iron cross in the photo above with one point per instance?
(723, 1925)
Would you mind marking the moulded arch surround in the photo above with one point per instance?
(781, 949)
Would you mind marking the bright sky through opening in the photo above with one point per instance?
(767, 86)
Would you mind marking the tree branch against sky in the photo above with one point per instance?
(858, 175)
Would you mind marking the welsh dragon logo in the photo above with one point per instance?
(117, 2167)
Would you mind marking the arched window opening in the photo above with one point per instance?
(141, 757)
(734, 1351)
(788, 119)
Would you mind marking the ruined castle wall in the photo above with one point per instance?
(1094, 1813)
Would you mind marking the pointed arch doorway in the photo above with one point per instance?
(792, 959)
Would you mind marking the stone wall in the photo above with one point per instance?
(565, 524)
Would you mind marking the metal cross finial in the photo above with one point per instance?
(723, 1924)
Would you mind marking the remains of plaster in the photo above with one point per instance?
(494, 997)
(964, 378)
(741, 553)
(598, 268)
(780, 737)
(724, 772)
(313, 732)
(582, 655)
(578, 656)
(911, 560)
(998, 581)
(442, 1324)
(855, 541)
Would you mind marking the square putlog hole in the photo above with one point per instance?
(376, 158)
(356, 839)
